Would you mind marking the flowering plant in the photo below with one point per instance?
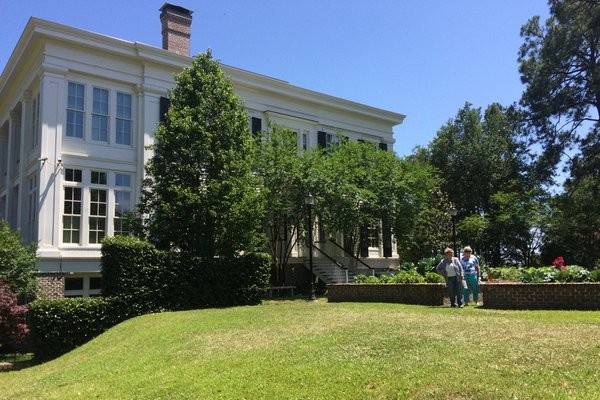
(559, 263)
(13, 328)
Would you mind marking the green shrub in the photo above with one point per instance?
(539, 274)
(17, 263)
(434, 277)
(406, 266)
(426, 265)
(407, 277)
(60, 325)
(367, 279)
(511, 274)
(572, 273)
(153, 280)
(594, 276)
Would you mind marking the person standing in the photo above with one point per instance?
(470, 265)
(451, 268)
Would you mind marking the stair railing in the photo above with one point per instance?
(353, 256)
(333, 260)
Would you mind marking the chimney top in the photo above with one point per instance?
(176, 28)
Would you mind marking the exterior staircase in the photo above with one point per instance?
(329, 272)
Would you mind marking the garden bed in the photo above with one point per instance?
(549, 296)
(431, 294)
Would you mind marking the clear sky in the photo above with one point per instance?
(422, 58)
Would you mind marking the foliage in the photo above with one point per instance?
(594, 276)
(559, 63)
(13, 327)
(429, 264)
(201, 195)
(17, 262)
(405, 276)
(60, 325)
(150, 279)
(281, 169)
(571, 273)
(433, 277)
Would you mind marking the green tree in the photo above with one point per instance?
(201, 196)
(559, 63)
(17, 262)
(281, 167)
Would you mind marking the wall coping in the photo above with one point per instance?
(386, 284)
(540, 284)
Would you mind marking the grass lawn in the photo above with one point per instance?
(301, 350)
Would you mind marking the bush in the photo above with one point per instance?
(407, 277)
(60, 325)
(17, 263)
(13, 328)
(367, 279)
(426, 265)
(511, 274)
(594, 276)
(434, 277)
(152, 280)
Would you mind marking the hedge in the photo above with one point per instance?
(152, 280)
(59, 325)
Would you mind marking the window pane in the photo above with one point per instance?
(123, 180)
(123, 132)
(98, 177)
(122, 202)
(73, 283)
(123, 105)
(95, 283)
(100, 128)
(100, 104)
(75, 99)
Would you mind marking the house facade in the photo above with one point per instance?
(77, 112)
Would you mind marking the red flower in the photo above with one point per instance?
(559, 262)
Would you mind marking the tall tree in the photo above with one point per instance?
(201, 195)
(281, 167)
(559, 63)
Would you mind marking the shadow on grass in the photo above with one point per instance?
(18, 361)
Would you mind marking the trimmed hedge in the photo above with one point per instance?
(59, 325)
(152, 280)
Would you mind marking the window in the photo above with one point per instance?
(123, 180)
(122, 208)
(123, 118)
(3, 208)
(95, 283)
(97, 215)
(383, 146)
(325, 139)
(373, 236)
(75, 110)
(73, 283)
(304, 141)
(98, 178)
(32, 207)
(72, 175)
(256, 125)
(72, 215)
(100, 115)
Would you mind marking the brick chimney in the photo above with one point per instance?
(176, 23)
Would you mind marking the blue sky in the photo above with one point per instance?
(423, 58)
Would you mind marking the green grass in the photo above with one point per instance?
(301, 350)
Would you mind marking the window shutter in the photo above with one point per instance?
(387, 238)
(364, 242)
(165, 103)
(322, 139)
(383, 146)
(256, 125)
(360, 141)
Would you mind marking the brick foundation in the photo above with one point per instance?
(529, 296)
(431, 294)
(51, 285)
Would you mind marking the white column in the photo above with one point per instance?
(25, 135)
(147, 121)
(52, 120)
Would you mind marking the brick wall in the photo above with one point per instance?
(51, 285)
(524, 296)
(431, 294)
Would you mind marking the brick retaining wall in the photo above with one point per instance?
(431, 294)
(51, 285)
(529, 296)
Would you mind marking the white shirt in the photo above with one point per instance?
(450, 271)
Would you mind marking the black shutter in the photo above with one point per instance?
(165, 103)
(322, 139)
(387, 238)
(256, 125)
(360, 141)
(348, 244)
(364, 241)
(383, 146)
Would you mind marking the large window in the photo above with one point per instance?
(123, 118)
(97, 215)
(75, 110)
(100, 115)
(72, 215)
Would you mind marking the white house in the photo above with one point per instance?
(77, 110)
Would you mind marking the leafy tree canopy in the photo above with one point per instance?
(17, 262)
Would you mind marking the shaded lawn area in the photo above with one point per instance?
(302, 350)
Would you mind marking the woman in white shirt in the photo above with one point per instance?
(451, 268)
